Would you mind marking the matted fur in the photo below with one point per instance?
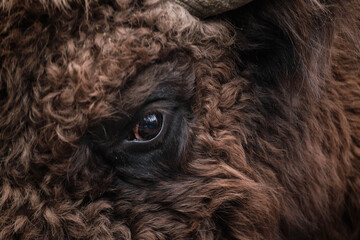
(270, 93)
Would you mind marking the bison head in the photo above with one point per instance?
(138, 120)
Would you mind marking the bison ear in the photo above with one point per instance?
(206, 8)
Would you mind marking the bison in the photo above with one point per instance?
(160, 119)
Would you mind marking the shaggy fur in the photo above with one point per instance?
(262, 133)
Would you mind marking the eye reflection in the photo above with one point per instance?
(147, 128)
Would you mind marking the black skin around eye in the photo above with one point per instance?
(157, 158)
(162, 126)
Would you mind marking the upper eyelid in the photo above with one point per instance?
(163, 106)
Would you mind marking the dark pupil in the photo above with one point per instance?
(150, 126)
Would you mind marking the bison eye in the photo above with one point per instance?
(147, 128)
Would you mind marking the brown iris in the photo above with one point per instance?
(147, 128)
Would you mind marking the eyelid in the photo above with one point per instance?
(163, 106)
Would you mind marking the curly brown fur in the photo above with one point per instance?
(263, 105)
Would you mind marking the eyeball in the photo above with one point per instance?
(147, 128)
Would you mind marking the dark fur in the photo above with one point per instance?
(263, 105)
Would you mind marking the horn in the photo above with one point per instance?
(206, 8)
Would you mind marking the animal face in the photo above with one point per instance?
(136, 120)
